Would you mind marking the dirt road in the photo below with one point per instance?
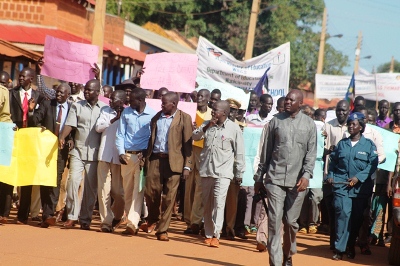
(31, 245)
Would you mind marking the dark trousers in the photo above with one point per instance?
(241, 211)
(49, 195)
(359, 205)
(6, 193)
(24, 203)
(331, 214)
(160, 180)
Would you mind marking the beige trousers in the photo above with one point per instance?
(109, 185)
(133, 197)
(35, 201)
(193, 206)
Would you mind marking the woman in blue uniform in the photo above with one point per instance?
(352, 163)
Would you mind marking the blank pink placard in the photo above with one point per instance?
(175, 71)
(69, 61)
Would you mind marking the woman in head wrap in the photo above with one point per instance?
(352, 163)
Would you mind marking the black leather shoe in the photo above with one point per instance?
(287, 262)
(188, 231)
(85, 226)
(351, 253)
(241, 235)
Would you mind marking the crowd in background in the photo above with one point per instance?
(139, 168)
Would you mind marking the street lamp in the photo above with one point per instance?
(252, 26)
(321, 53)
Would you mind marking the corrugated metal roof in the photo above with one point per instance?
(155, 39)
(37, 35)
(9, 49)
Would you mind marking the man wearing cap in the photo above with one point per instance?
(221, 161)
(127, 86)
(287, 159)
(193, 207)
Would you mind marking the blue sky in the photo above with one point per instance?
(379, 21)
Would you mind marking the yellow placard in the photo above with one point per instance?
(34, 159)
(199, 122)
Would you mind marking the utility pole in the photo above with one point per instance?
(255, 8)
(98, 31)
(391, 65)
(119, 7)
(358, 51)
(321, 53)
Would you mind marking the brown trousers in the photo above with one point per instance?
(160, 180)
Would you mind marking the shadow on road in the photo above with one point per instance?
(214, 262)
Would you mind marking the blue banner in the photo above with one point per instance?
(6, 143)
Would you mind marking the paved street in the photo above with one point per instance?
(31, 245)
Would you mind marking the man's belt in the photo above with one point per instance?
(160, 155)
(133, 152)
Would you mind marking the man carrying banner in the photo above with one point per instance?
(20, 97)
(84, 156)
(287, 159)
(52, 115)
(193, 207)
(5, 116)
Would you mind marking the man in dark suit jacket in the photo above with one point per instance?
(169, 155)
(52, 115)
(20, 98)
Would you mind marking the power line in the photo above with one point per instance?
(183, 14)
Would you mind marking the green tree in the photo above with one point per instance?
(384, 68)
(225, 23)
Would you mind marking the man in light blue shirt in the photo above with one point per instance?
(163, 125)
(133, 135)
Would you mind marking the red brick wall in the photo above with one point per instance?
(114, 28)
(63, 14)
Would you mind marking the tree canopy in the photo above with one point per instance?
(384, 68)
(225, 23)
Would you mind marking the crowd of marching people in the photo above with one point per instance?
(136, 165)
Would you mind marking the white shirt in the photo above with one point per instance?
(108, 150)
(319, 125)
(22, 94)
(257, 120)
(63, 114)
(376, 137)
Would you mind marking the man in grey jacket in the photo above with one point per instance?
(287, 159)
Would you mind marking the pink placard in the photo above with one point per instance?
(104, 99)
(187, 107)
(69, 61)
(175, 71)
